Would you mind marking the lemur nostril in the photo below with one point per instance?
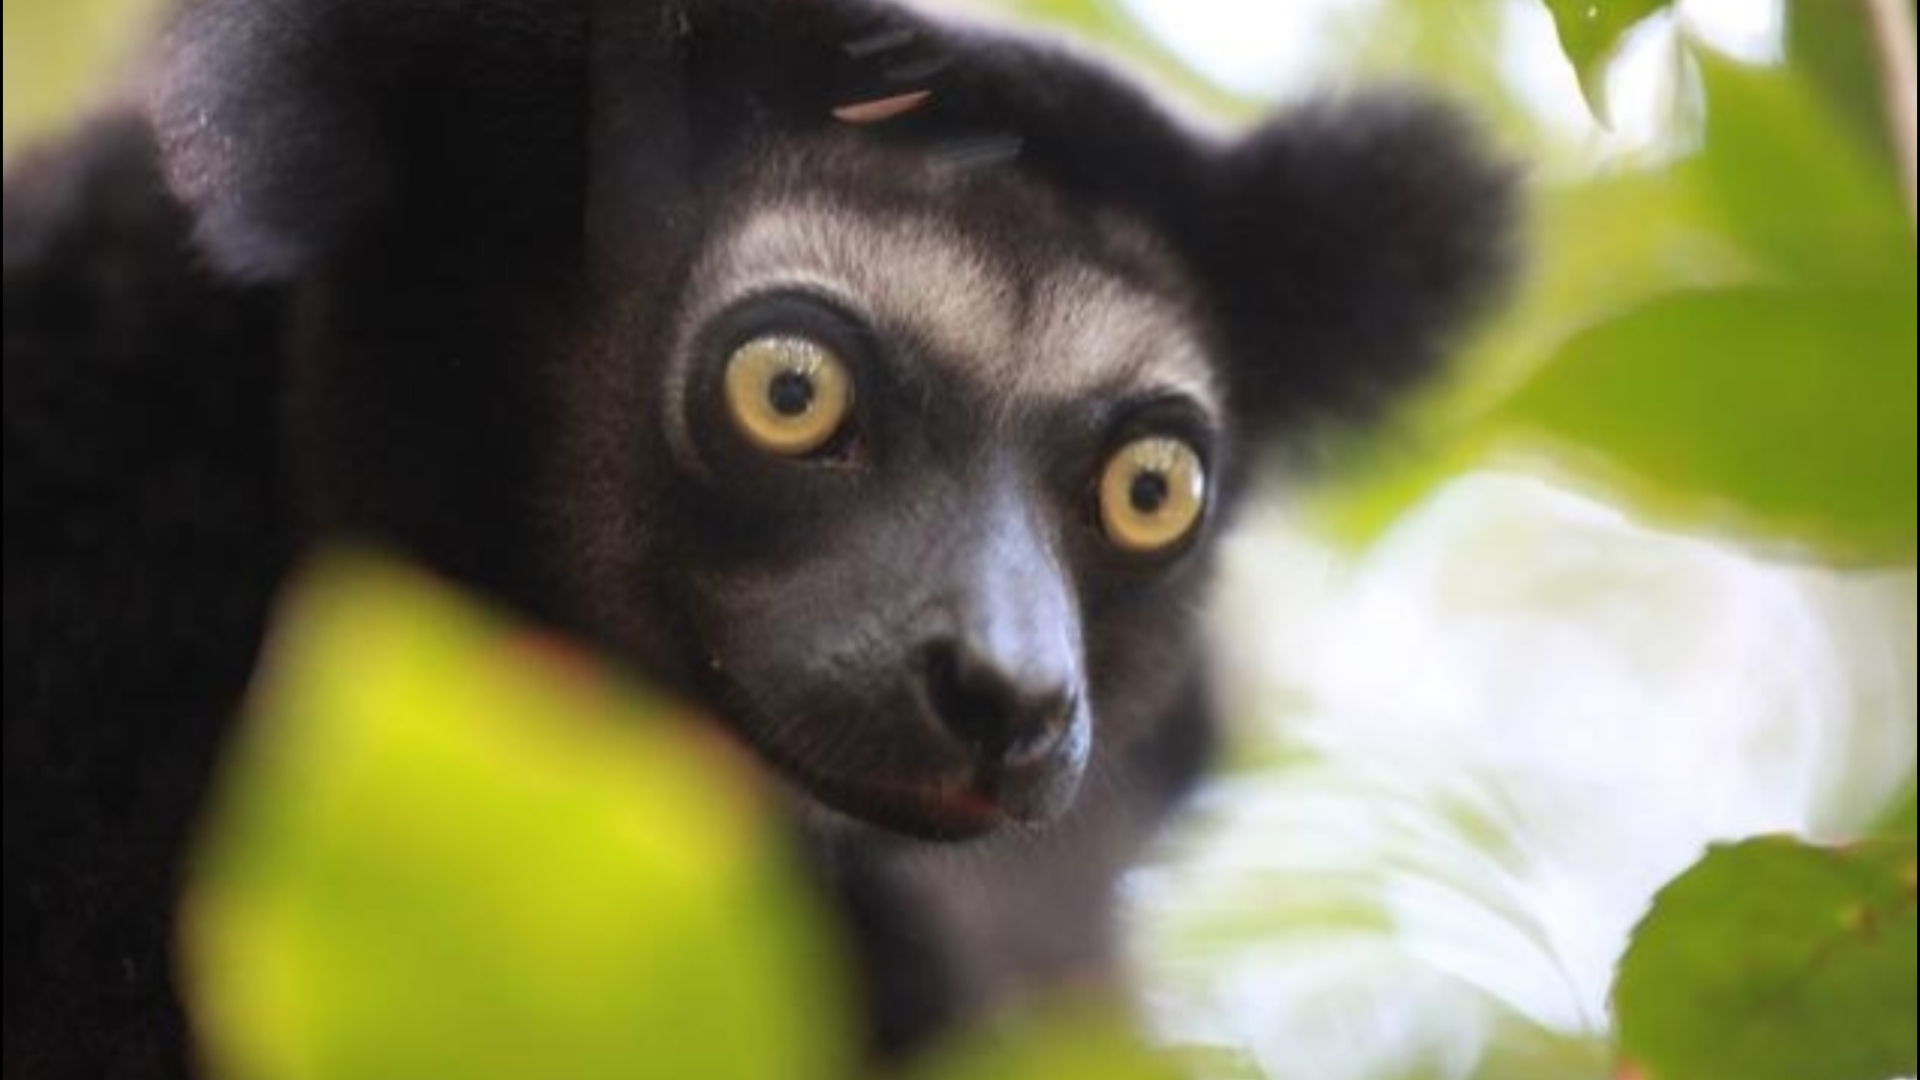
(999, 716)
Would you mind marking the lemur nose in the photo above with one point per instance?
(1006, 718)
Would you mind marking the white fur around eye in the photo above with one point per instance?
(1085, 331)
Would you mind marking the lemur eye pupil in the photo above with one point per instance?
(1148, 492)
(791, 393)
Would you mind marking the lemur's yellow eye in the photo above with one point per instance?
(788, 395)
(1151, 494)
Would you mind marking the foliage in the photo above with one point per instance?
(61, 53)
(1780, 404)
(1811, 429)
(1898, 822)
(1590, 34)
(1728, 344)
(450, 848)
(1776, 960)
(1724, 344)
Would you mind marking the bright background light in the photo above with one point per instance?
(1471, 753)
(1479, 747)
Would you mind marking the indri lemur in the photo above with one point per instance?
(876, 384)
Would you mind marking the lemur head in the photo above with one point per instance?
(881, 385)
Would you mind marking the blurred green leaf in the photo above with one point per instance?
(448, 848)
(1831, 46)
(1786, 412)
(1522, 1051)
(1794, 183)
(60, 53)
(1898, 821)
(1590, 34)
(1600, 248)
(1775, 960)
(1633, 345)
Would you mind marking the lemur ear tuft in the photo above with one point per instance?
(1349, 243)
(449, 128)
(289, 127)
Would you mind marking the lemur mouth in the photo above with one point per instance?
(956, 802)
(948, 806)
(945, 810)
(932, 812)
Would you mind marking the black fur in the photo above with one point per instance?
(144, 534)
(413, 272)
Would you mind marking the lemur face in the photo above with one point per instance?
(879, 383)
(955, 463)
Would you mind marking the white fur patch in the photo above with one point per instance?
(1080, 331)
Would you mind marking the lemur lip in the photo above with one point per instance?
(951, 804)
(944, 809)
(930, 812)
(957, 806)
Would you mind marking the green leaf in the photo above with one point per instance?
(1522, 1051)
(1898, 821)
(1831, 47)
(1601, 248)
(1796, 186)
(1775, 960)
(58, 56)
(446, 847)
(1786, 413)
(1590, 34)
